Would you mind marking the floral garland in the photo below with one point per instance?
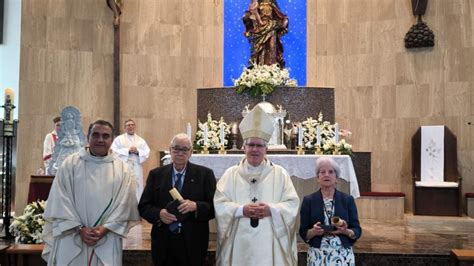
(327, 133)
(262, 79)
(213, 134)
(28, 227)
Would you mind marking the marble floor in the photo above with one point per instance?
(414, 235)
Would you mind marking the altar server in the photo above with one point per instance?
(256, 204)
(50, 142)
(132, 149)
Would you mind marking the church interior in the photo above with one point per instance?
(164, 64)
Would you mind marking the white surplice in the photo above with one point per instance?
(273, 242)
(48, 147)
(89, 191)
(121, 146)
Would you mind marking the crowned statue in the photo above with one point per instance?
(264, 25)
(71, 138)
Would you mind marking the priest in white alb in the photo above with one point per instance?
(256, 204)
(132, 149)
(91, 206)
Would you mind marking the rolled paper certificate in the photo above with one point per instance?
(175, 194)
(337, 221)
(188, 130)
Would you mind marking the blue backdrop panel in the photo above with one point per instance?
(237, 47)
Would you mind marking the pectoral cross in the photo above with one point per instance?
(254, 199)
(253, 181)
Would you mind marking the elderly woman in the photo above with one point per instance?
(329, 222)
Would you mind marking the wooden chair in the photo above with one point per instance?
(440, 197)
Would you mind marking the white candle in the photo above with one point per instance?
(205, 135)
(222, 135)
(300, 136)
(235, 128)
(318, 135)
(188, 130)
(336, 133)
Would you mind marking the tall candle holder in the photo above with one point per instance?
(300, 150)
(205, 150)
(318, 150)
(336, 151)
(222, 150)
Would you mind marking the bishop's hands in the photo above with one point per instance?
(257, 210)
(91, 236)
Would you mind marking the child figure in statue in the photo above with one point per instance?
(264, 25)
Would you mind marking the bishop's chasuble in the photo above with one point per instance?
(273, 241)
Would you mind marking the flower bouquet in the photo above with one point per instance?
(214, 131)
(28, 227)
(262, 79)
(327, 136)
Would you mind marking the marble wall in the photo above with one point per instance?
(170, 48)
(384, 92)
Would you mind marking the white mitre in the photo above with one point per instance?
(257, 124)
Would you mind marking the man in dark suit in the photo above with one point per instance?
(173, 241)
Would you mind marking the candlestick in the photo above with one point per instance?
(336, 133)
(300, 150)
(318, 150)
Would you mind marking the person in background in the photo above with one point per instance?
(329, 221)
(133, 150)
(184, 241)
(91, 205)
(256, 203)
(50, 142)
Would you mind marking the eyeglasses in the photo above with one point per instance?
(180, 149)
(255, 145)
(129, 125)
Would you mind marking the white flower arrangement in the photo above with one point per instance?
(213, 133)
(327, 135)
(262, 79)
(28, 227)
